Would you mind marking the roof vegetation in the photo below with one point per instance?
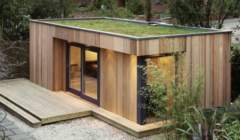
(124, 28)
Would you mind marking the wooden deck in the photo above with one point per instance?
(36, 106)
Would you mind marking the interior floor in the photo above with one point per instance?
(90, 85)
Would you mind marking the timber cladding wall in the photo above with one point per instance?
(118, 71)
(118, 63)
(118, 83)
(212, 53)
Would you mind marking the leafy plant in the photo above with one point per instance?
(200, 13)
(142, 16)
(173, 102)
(233, 127)
(14, 19)
(207, 128)
(135, 6)
(235, 71)
(111, 9)
(42, 9)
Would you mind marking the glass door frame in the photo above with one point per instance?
(72, 90)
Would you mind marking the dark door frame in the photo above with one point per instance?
(80, 93)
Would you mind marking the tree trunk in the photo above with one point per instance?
(148, 10)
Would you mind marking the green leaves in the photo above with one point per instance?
(201, 13)
(207, 127)
(235, 74)
(233, 129)
(14, 19)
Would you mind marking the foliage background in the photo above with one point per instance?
(201, 13)
(235, 72)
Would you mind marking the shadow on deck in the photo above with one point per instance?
(36, 106)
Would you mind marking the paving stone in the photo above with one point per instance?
(6, 138)
(19, 137)
(17, 131)
(12, 126)
(7, 133)
(6, 123)
(3, 128)
(5, 120)
(12, 132)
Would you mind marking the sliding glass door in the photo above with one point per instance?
(75, 68)
(83, 71)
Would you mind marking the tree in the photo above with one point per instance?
(42, 9)
(8, 63)
(201, 13)
(148, 9)
(14, 19)
(67, 7)
(112, 10)
(235, 71)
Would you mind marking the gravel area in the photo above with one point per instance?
(87, 128)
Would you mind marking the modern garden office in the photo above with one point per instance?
(100, 63)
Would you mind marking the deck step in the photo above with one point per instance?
(18, 112)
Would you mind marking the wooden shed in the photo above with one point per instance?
(101, 66)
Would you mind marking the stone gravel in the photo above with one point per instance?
(87, 128)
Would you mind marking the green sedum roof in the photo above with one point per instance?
(125, 28)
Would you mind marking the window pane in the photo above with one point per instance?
(75, 68)
(91, 73)
(166, 66)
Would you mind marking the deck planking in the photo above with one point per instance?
(36, 106)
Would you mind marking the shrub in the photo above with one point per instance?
(235, 71)
(112, 10)
(135, 6)
(207, 128)
(233, 127)
(180, 94)
(42, 9)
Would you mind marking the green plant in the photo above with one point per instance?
(235, 74)
(233, 127)
(142, 16)
(124, 27)
(135, 6)
(83, 9)
(41, 9)
(14, 19)
(86, 13)
(199, 13)
(173, 102)
(215, 123)
(111, 9)
(208, 128)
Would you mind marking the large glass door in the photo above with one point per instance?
(75, 68)
(90, 78)
(83, 71)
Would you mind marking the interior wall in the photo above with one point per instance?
(90, 56)
(75, 57)
(118, 83)
(167, 66)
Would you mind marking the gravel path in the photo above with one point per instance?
(87, 128)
